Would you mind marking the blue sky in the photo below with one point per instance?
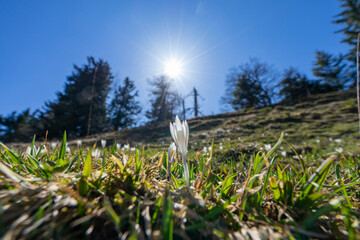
(41, 40)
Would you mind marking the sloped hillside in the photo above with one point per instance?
(319, 117)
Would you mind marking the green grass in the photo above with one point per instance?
(56, 194)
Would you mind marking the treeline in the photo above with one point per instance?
(257, 84)
(91, 103)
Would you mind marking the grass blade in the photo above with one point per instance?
(167, 219)
(62, 151)
(87, 165)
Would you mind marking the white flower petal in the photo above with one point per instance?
(28, 150)
(177, 121)
(172, 131)
(171, 152)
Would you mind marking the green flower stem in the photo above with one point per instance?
(186, 170)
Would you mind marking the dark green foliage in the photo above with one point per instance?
(293, 87)
(250, 85)
(349, 18)
(18, 126)
(124, 107)
(164, 101)
(70, 111)
(247, 94)
(331, 70)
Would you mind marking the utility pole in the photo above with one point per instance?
(91, 101)
(196, 106)
(358, 77)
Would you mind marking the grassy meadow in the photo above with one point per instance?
(302, 184)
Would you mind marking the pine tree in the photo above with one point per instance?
(18, 126)
(164, 101)
(82, 105)
(250, 85)
(124, 107)
(293, 87)
(330, 70)
(350, 19)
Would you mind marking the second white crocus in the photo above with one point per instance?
(180, 133)
(103, 143)
(267, 147)
(95, 154)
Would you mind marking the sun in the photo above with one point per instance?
(173, 68)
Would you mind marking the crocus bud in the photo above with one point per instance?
(103, 143)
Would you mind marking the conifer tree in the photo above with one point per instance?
(330, 70)
(293, 87)
(250, 85)
(124, 106)
(87, 86)
(164, 101)
(18, 126)
(349, 18)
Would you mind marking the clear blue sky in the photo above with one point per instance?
(41, 40)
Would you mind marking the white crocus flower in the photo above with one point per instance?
(171, 156)
(171, 152)
(103, 143)
(28, 150)
(95, 154)
(180, 133)
(118, 146)
(339, 150)
(221, 147)
(78, 143)
(267, 147)
(34, 152)
(54, 145)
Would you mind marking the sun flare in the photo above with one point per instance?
(173, 68)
